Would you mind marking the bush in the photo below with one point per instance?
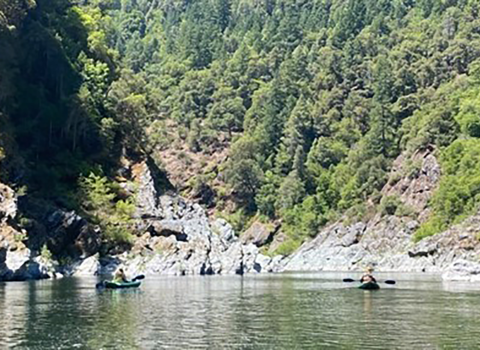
(389, 205)
(288, 247)
(393, 205)
(458, 194)
(98, 199)
(429, 228)
(413, 168)
(117, 234)
(45, 253)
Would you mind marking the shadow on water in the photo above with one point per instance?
(258, 312)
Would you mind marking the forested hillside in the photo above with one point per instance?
(284, 110)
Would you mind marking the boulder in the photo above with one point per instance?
(169, 228)
(70, 234)
(20, 266)
(353, 234)
(146, 195)
(88, 267)
(258, 234)
(224, 230)
(462, 270)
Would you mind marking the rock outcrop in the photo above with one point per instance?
(70, 234)
(386, 241)
(17, 262)
(259, 234)
(176, 237)
(183, 241)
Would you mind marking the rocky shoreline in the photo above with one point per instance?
(176, 237)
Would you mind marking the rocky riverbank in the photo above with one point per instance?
(176, 237)
(385, 241)
(172, 236)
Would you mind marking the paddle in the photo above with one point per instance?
(137, 278)
(352, 280)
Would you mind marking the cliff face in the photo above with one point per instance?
(17, 262)
(176, 237)
(171, 236)
(385, 241)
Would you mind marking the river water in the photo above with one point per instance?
(284, 311)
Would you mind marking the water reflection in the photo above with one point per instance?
(265, 312)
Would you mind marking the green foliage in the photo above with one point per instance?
(392, 205)
(45, 253)
(287, 247)
(97, 192)
(429, 228)
(314, 99)
(243, 172)
(117, 234)
(458, 194)
(20, 237)
(240, 220)
(389, 205)
(99, 201)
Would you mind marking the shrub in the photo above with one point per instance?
(458, 194)
(429, 228)
(393, 205)
(413, 168)
(45, 253)
(20, 237)
(117, 234)
(288, 247)
(389, 205)
(113, 216)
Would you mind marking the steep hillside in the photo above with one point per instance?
(311, 100)
(286, 118)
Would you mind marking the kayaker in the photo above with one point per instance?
(368, 277)
(119, 276)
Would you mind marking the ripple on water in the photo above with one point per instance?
(263, 312)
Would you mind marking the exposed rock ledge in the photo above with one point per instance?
(176, 237)
(183, 242)
(386, 242)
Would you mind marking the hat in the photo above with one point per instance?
(369, 269)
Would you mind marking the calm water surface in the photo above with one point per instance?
(288, 311)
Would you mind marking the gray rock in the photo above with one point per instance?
(462, 270)
(20, 266)
(69, 233)
(146, 196)
(224, 230)
(353, 235)
(88, 267)
(8, 203)
(258, 234)
(168, 228)
(424, 248)
(262, 263)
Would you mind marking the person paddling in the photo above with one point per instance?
(120, 276)
(368, 277)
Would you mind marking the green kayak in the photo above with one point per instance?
(115, 285)
(369, 286)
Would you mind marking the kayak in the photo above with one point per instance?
(119, 285)
(369, 286)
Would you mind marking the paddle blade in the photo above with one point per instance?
(348, 280)
(390, 282)
(139, 277)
